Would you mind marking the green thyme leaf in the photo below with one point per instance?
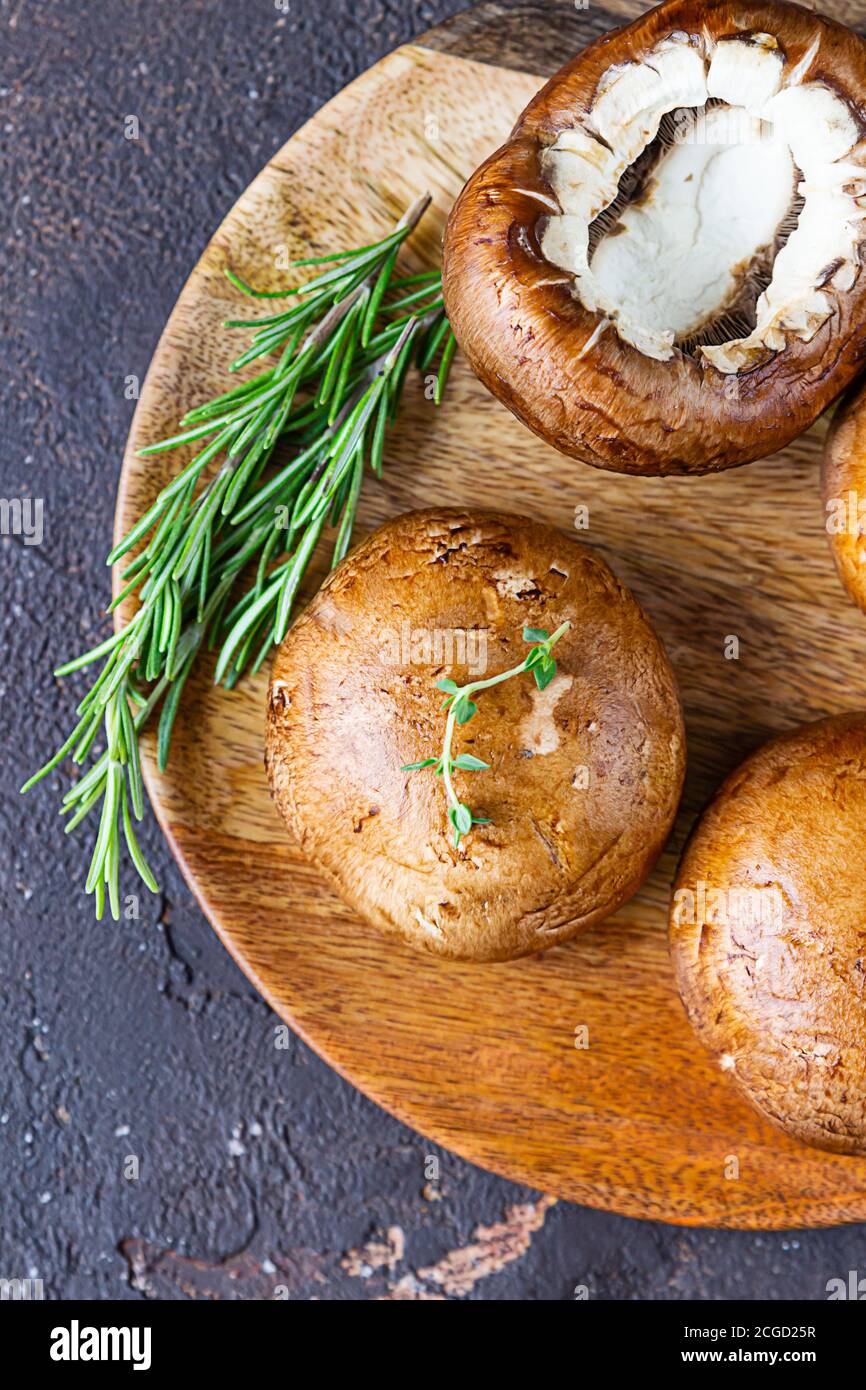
(467, 763)
(465, 710)
(544, 674)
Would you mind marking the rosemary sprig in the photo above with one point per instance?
(343, 348)
(461, 708)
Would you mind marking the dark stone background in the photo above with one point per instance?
(258, 1167)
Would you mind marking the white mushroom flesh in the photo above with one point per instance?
(716, 200)
(674, 260)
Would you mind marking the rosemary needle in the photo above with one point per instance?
(339, 356)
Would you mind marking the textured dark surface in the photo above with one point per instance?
(258, 1166)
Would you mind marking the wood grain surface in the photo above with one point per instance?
(483, 1058)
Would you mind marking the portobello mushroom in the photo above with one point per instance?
(768, 931)
(582, 778)
(660, 271)
(843, 486)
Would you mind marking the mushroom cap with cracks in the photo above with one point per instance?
(766, 931)
(583, 777)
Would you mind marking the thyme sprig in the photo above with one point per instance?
(461, 708)
(343, 348)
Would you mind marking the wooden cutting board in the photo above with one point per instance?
(483, 1058)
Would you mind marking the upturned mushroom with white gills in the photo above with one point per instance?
(560, 727)
(660, 271)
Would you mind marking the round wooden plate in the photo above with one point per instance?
(484, 1059)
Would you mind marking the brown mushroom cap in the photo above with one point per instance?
(768, 931)
(584, 777)
(562, 367)
(843, 485)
